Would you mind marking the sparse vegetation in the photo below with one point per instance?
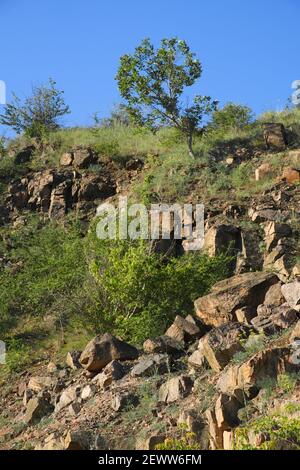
(39, 114)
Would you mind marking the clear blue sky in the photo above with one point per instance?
(249, 48)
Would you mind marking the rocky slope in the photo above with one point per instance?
(204, 373)
(208, 380)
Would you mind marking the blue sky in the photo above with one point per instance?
(249, 48)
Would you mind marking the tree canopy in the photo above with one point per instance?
(152, 81)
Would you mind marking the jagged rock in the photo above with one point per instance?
(295, 334)
(274, 232)
(192, 421)
(215, 434)
(88, 392)
(291, 175)
(112, 372)
(96, 187)
(37, 408)
(72, 359)
(52, 368)
(273, 256)
(39, 383)
(222, 343)
(104, 349)
(183, 331)
(22, 387)
(150, 442)
(228, 440)
(175, 389)
(222, 238)
(26, 397)
(226, 412)
(68, 396)
(296, 271)
(66, 159)
(60, 199)
(263, 171)
(247, 289)
(275, 135)
(274, 295)
(125, 400)
(83, 158)
(150, 365)
(264, 215)
(78, 440)
(39, 190)
(52, 442)
(291, 293)
(197, 359)
(163, 344)
(283, 266)
(242, 380)
(74, 408)
(249, 259)
(270, 319)
(19, 194)
(245, 314)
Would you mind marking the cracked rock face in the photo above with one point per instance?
(249, 289)
(55, 192)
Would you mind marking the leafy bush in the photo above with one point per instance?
(38, 114)
(287, 382)
(232, 116)
(45, 261)
(187, 441)
(281, 432)
(139, 292)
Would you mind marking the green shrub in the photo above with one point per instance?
(287, 382)
(187, 441)
(281, 432)
(139, 293)
(46, 262)
(232, 116)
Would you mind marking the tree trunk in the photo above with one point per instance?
(190, 145)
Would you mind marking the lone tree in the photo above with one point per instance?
(38, 114)
(152, 82)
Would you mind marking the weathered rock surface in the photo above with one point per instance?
(123, 401)
(222, 238)
(112, 372)
(291, 293)
(227, 296)
(243, 379)
(222, 343)
(104, 349)
(275, 135)
(151, 365)
(163, 344)
(175, 389)
(183, 330)
(39, 383)
(37, 408)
